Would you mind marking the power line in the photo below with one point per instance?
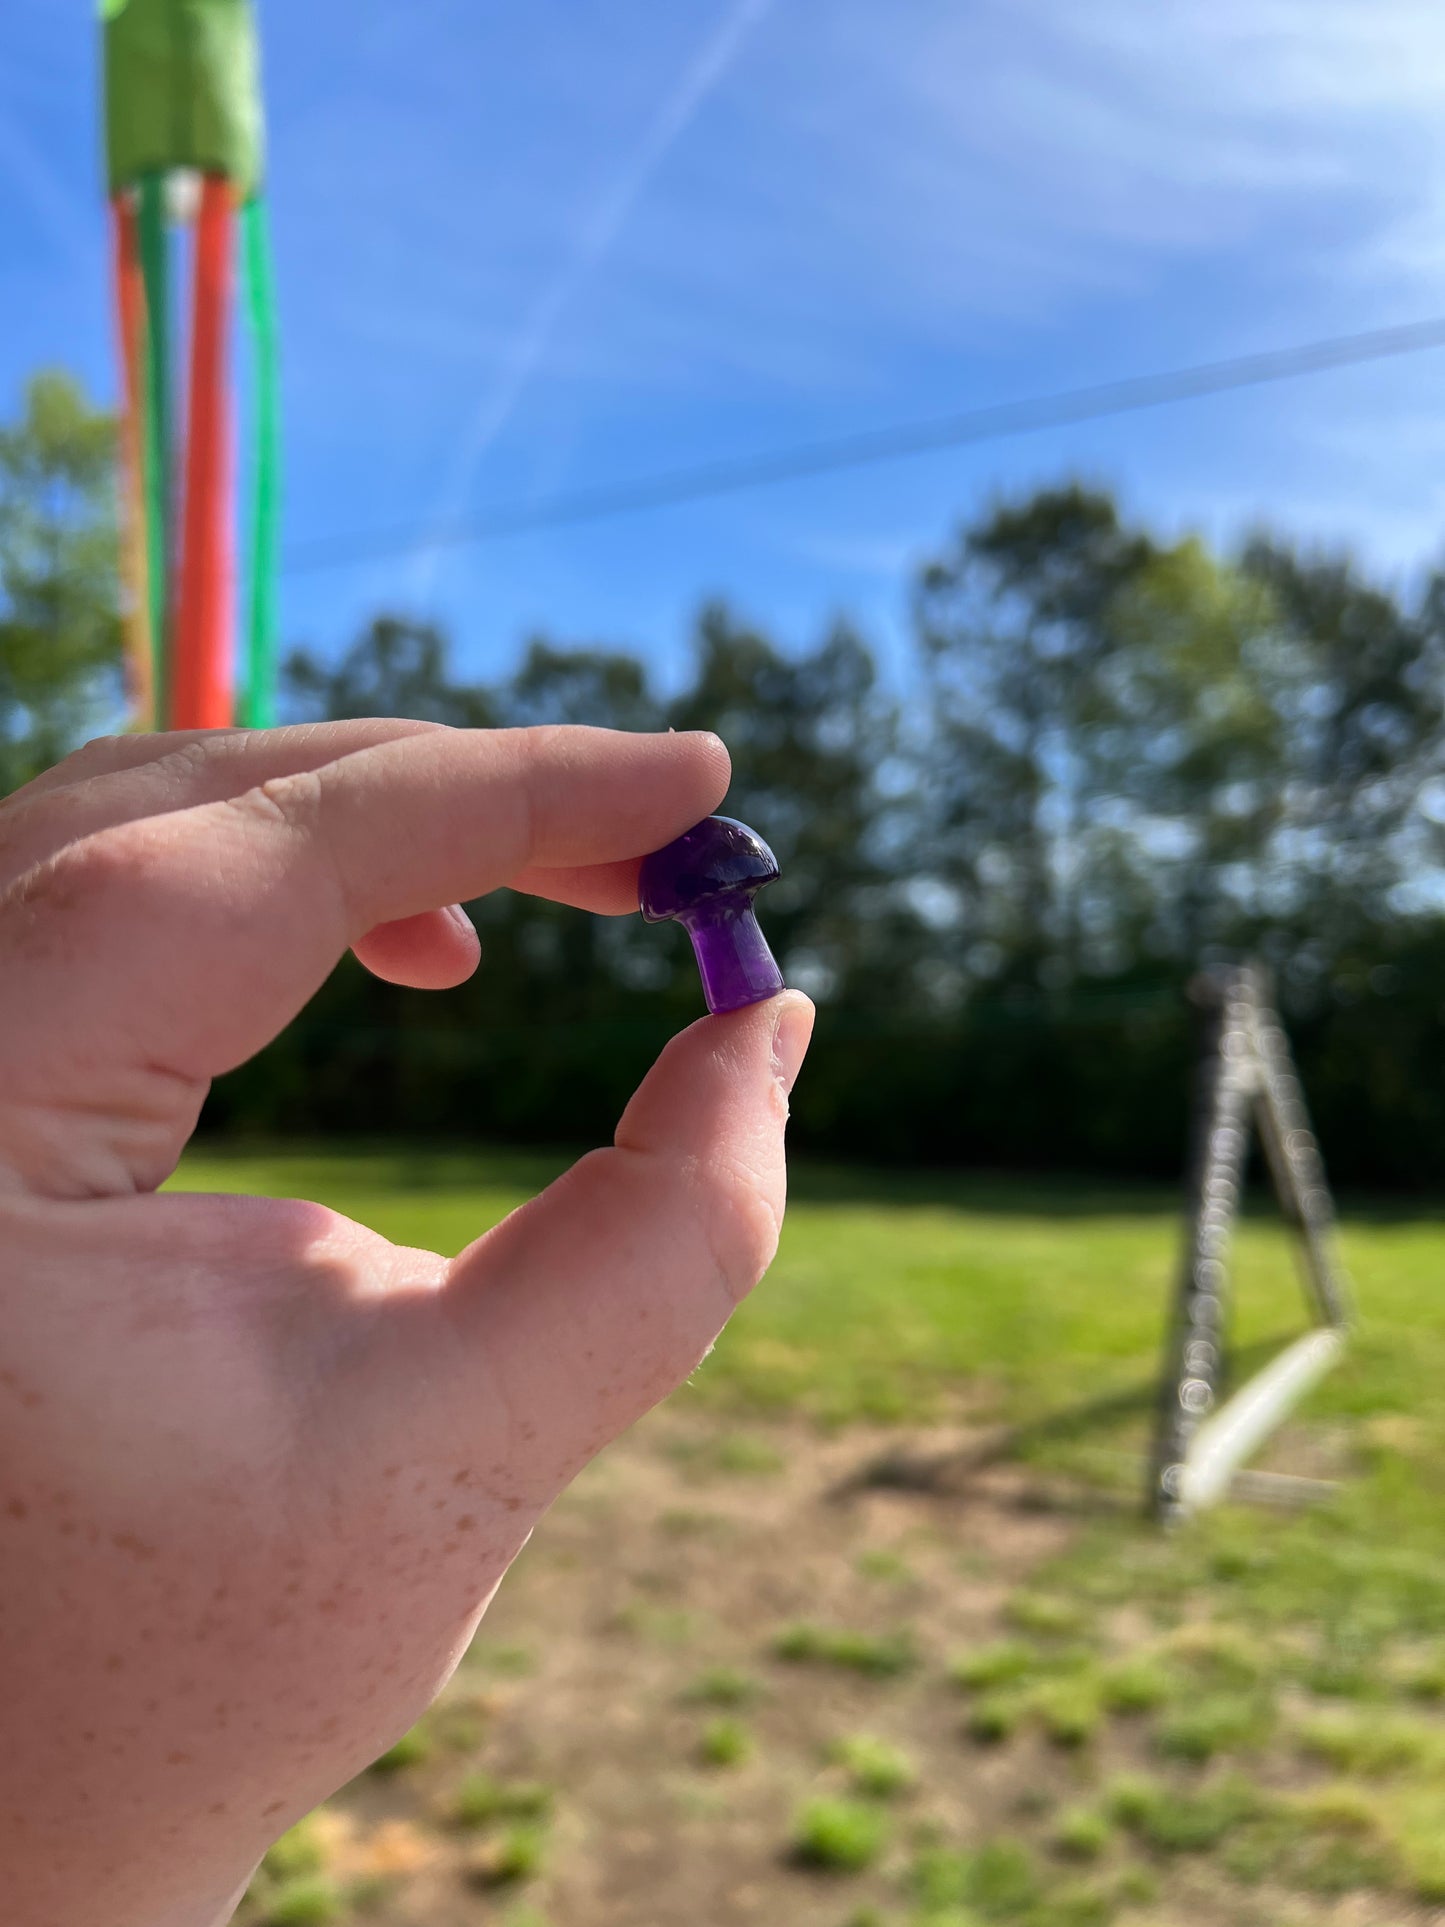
(871, 446)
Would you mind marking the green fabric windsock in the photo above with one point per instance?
(182, 89)
(182, 95)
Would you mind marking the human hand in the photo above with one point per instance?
(260, 1470)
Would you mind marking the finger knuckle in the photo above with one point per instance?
(547, 739)
(194, 759)
(79, 876)
(290, 802)
(93, 865)
(98, 752)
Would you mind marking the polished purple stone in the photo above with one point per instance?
(706, 881)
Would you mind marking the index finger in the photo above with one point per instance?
(409, 826)
(117, 779)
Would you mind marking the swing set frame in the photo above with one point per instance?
(1246, 1080)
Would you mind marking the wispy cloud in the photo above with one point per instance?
(936, 168)
(1122, 141)
(704, 73)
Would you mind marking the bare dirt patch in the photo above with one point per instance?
(650, 1607)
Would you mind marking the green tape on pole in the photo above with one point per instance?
(156, 431)
(258, 705)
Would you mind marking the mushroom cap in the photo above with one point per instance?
(714, 860)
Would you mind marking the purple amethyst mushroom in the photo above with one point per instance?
(706, 881)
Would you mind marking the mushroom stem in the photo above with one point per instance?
(732, 953)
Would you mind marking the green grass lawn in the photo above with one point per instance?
(892, 1296)
(1284, 1675)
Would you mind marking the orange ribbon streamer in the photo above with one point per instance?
(130, 330)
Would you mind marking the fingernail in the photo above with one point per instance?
(791, 1035)
(458, 916)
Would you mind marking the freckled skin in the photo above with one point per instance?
(260, 1471)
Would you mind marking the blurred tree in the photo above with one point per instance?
(1287, 719)
(60, 633)
(1142, 750)
(396, 667)
(1359, 680)
(1197, 738)
(1023, 729)
(606, 688)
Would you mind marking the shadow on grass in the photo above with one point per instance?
(901, 1470)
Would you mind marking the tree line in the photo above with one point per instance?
(1113, 761)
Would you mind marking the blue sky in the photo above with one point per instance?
(535, 248)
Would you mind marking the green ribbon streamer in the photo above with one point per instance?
(156, 427)
(258, 707)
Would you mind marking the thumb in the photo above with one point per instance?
(596, 1299)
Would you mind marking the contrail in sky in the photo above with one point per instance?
(707, 69)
